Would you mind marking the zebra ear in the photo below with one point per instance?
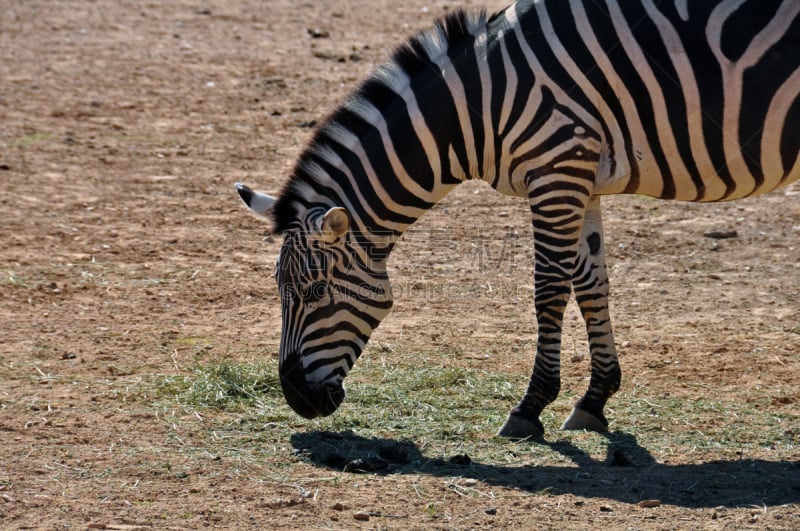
(261, 204)
(334, 223)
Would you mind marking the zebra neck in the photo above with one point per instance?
(419, 126)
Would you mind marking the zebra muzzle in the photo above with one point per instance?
(309, 400)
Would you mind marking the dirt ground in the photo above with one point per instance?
(123, 126)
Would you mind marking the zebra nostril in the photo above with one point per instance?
(335, 392)
(330, 397)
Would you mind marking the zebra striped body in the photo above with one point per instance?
(556, 101)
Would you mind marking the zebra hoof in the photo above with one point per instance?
(580, 419)
(517, 427)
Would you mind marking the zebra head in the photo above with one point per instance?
(332, 298)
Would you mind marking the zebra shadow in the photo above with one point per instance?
(628, 474)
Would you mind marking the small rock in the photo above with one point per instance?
(649, 504)
(491, 511)
(721, 234)
(319, 54)
(470, 482)
(276, 81)
(317, 33)
(606, 509)
(363, 516)
(4, 166)
(339, 506)
(307, 123)
(361, 466)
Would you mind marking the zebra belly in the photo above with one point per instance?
(713, 186)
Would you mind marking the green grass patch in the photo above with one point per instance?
(446, 411)
(19, 281)
(32, 138)
(233, 387)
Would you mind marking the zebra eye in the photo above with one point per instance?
(315, 292)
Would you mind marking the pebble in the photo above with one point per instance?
(319, 54)
(721, 234)
(491, 511)
(317, 33)
(361, 515)
(274, 81)
(606, 509)
(339, 506)
(370, 464)
(649, 504)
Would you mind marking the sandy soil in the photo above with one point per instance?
(122, 128)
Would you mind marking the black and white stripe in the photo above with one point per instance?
(557, 101)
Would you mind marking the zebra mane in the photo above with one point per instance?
(419, 54)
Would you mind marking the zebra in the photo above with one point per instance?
(557, 101)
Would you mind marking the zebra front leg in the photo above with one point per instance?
(591, 291)
(557, 223)
(551, 298)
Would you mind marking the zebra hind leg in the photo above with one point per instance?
(591, 291)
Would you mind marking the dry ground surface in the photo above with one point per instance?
(129, 272)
